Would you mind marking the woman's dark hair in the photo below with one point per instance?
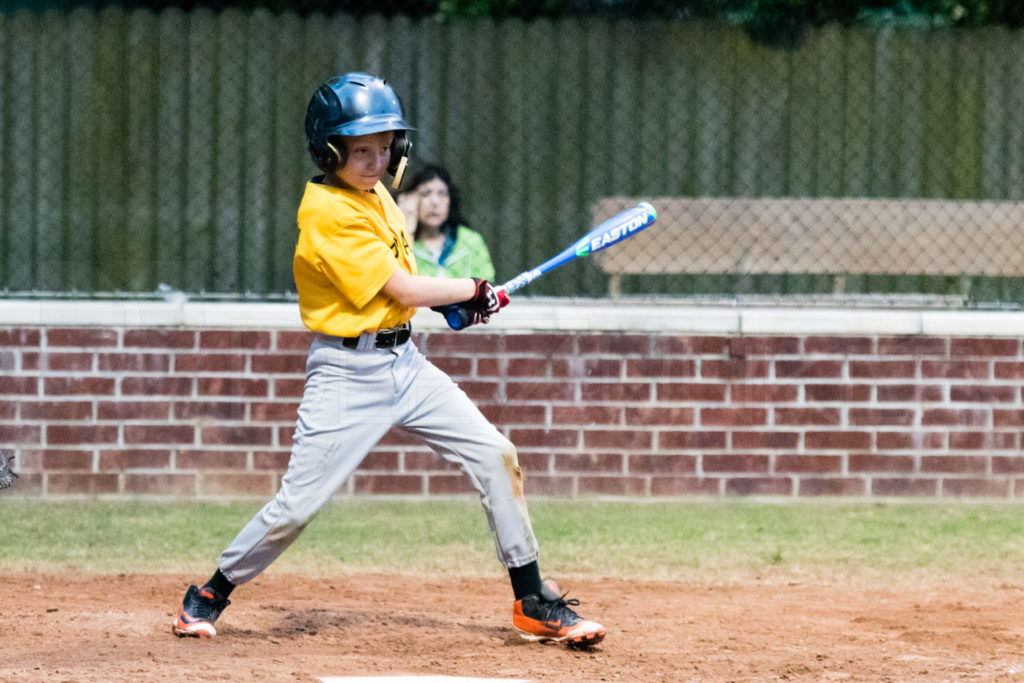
(455, 217)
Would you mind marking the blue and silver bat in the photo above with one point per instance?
(617, 228)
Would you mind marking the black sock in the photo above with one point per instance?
(525, 580)
(220, 584)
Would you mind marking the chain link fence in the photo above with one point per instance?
(144, 147)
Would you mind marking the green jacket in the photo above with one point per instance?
(465, 256)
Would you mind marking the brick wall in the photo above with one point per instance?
(209, 413)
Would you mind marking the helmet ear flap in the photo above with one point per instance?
(400, 148)
(335, 157)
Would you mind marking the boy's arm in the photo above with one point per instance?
(416, 291)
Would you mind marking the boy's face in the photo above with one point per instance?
(368, 157)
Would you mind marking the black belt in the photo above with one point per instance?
(386, 339)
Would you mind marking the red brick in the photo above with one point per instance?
(135, 459)
(629, 392)
(134, 362)
(543, 485)
(982, 394)
(807, 416)
(80, 434)
(293, 341)
(62, 386)
(763, 393)
(160, 484)
(8, 360)
(539, 344)
(615, 344)
(399, 437)
(27, 484)
(209, 362)
(846, 346)
(455, 367)
(611, 486)
(159, 433)
(480, 391)
(657, 415)
(271, 460)
(690, 440)
(838, 439)
(133, 410)
(984, 347)
(289, 388)
(292, 364)
(24, 386)
(20, 434)
(74, 482)
(231, 386)
(815, 369)
(741, 347)
(912, 346)
(880, 462)
(686, 391)
(273, 411)
(986, 440)
(8, 410)
(160, 338)
(955, 418)
(220, 410)
(818, 464)
(389, 484)
(733, 417)
(68, 362)
(828, 486)
(765, 439)
(20, 337)
(882, 369)
(975, 488)
(81, 337)
(444, 343)
(236, 483)
(904, 487)
(845, 393)
(881, 416)
(539, 462)
(449, 484)
(240, 435)
(954, 464)
(511, 414)
(492, 367)
(735, 464)
(589, 414)
(210, 460)
(759, 486)
(660, 367)
(56, 459)
(285, 435)
(910, 440)
(1008, 418)
(955, 369)
(684, 486)
(387, 461)
(1008, 370)
(547, 438)
(909, 393)
(1007, 464)
(540, 391)
(592, 462)
(689, 346)
(157, 386)
(234, 339)
(626, 439)
(601, 367)
(56, 411)
(662, 464)
(734, 368)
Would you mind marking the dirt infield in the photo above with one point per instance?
(101, 628)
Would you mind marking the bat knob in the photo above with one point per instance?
(456, 317)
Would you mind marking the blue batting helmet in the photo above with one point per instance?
(353, 104)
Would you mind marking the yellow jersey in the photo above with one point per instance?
(350, 243)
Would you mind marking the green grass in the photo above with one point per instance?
(646, 541)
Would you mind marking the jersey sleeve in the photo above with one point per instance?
(356, 261)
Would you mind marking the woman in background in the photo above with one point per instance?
(442, 243)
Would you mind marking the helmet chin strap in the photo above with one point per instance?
(400, 172)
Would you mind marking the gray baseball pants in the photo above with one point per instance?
(352, 398)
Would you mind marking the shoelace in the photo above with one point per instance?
(560, 608)
(204, 607)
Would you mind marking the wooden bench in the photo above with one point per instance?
(837, 237)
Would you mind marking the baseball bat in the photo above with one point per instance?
(619, 227)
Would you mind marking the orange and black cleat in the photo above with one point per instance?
(547, 617)
(199, 610)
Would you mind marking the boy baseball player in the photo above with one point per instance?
(358, 289)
